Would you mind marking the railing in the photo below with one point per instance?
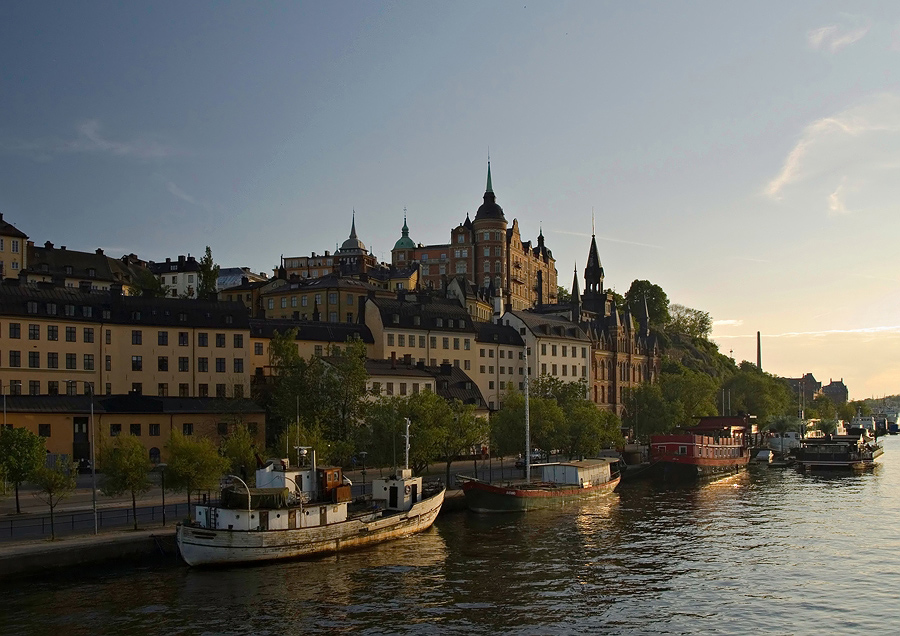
(82, 522)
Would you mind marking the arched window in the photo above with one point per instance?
(154, 455)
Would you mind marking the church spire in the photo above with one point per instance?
(353, 225)
(576, 292)
(593, 273)
(489, 188)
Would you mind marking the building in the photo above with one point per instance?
(13, 255)
(180, 278)
(837, 392)
(65, 421)
(489, 252)
(351, 259)
(403, 377)
(806, 388)
(85, 270)
(234, 276)
(313, 339)
(60, 340)
(249, 293)
(330, 298)
(500, 363)
(559, 348)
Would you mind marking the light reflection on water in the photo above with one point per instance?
(764, 551)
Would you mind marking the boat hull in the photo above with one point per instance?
(204, 546)
(686, 469)
(489, 498)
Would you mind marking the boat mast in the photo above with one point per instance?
(406, 459)
(527, 423)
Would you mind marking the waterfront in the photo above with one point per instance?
(765, 551)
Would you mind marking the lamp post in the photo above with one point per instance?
(363, 455)
(162, 479)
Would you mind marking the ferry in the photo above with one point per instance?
(716, 445)
(297, 512)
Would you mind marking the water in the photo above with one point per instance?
(766, 551)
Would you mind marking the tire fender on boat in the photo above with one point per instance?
(408, 490)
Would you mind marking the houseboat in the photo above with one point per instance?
(838, 451)
(302, 511)
(560, 481)
(716, 445)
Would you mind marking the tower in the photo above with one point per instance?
(489, 240)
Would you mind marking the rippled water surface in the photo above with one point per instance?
(766, 551)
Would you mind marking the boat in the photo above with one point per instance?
(838, 451)
(784, 442)
(764, 457)
(714, 446)
(301, 511)
(560, 481)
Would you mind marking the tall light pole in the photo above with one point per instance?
(162, 478)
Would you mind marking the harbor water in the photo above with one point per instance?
(767, 551)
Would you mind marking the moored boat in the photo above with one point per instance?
(714, 446)
(560, 481)
(838, 451)
(301, 512)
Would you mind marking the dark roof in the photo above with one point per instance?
(182, 264)
(428, 309)
(63, 263)
(550, 326)
(247, 286)
(329, 281)
(311, 330)
(454, 384)
(127, 403)
(395, 367)
(498, 334)
(71, 304)
(8, 229)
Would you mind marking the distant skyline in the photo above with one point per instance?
(743, 157)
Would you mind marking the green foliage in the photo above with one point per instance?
(54, 485)
(690, 322)
(822, 407)
(546, 420)
(827, 425)
(563, 295)
(657, 302)
(208, 275)
(754, 391)
(461, 433)
(647, 412)
(239, 448)
(21, 454)
(194, 464)
(690, 394)
(783, 423)
(853, 408)
(126, 468)
(149, 285)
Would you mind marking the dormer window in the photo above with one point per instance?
(32, 307)
(395, 318)
(87, 311)
(417, 320)
(450, 323)
(107, 314)
(92, 272)
(70, 310)
(68, 269)
(439, 322)
(229, 319)
(51, 309)
(45, 267)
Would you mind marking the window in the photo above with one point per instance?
(258, 348)
(203, 365)
(389, 388)
(137, 388)
(543, 349)
(70, 334)
(53, 387)
(136, 336)
(401, 340)
(162, 364)
(390, 339)
(332, 298)
(162, 389)
(89, 334)
(456, 343)
(490, 353)
(182, 338)
(553, 350)
(238, 341)
(31, 305)
(271, 303)
(284, 302)
(44, 430)
(71, 361)
(467, 364)
(433, 342)
(154, 430)
(34, 332)
(109, 363)
(184, 390)
(203, 390)
(163, 338)
(491, 384)
(115, 430)
(376, 388)
(52, 360)
(238, 365)
(467, 344)
(422, 341)
(187, 428)
(137, 363)
(108, 334)
(304, 301)
(109, 388)
(445, 342)
(34, 359)
(15, 330)
(333, 316)
(52, 332)
(135, 430)
(403, 388)
(220, 340)
(565, 350)
(220, 365)
(89, 362)
(183, 364)
(34, 387)
(220, 390)
(318, 350)
(202, 339)
(554, 369)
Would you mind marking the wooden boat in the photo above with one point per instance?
(300, 512)
(838, 451)
(560, 481)
(715, 446)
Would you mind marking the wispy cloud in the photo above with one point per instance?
(889, 329)
(727, 323)
(833, 37)
(178, 193)
(609, 240)
(836, 201)
(89, 139)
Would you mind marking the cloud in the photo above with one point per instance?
(90, 140)
(727, 323)
(834, 38)
(850, 153)
(609, 240)
(889, 329)
(178, 193)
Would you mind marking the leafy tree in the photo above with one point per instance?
(346, 387)
(54, 485)
(754, 391)
(563, 295)
(827, 425)
(781, 424)
(691, 322)
(126, 468)
(657, 302)
(150, 286)
(853, 408)
(647, 412)
(588, 430)
(208, 275)
(822, 407)
(239, 448)
(690, 394)
(194, 464)
(546, 422)
(21, 454)
(460, 432)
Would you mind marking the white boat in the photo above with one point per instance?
(784, 442)
(312, 515)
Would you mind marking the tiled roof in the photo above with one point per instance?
(311, 330)
(432, 313)
(498, 334)
(8, 229)
(65, 263)
(181, 264)
(548, 326)
(395, 367)
(330, 281)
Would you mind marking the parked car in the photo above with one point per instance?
(537, 456)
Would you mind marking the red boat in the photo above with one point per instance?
(715, 445)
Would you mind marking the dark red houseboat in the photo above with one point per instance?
(716, 445)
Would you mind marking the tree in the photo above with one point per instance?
(690, 394)
(781, 424)
(149, 285)
(827, 425)
(194, 464)
(691, 322)
(563, 295)
(459, 433)
(647, 411)
(657, 302)
(21, 454)
(546, 422)
(239, 448)
(54, 485)
(759, 393)
(822, 407)
(126, 468)
(208, 276)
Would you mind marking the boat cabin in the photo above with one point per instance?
(585, 473)
(399, 491)
(713, 438)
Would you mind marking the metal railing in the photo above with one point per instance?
(33, 526)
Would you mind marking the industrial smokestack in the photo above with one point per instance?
(758, 352)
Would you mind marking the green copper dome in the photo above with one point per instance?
(404, 242)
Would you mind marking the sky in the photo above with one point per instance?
(743, 156)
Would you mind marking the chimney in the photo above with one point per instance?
(168, 260)
(99, 252)
(407, 359)
(758, 351)
(393, 359)
(420, 365)
(446, 368)
(48, 245)
(180, 259)
(62, 247)
(245, 280)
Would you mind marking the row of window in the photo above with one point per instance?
(71, 388)
(13, 245)
(14, 329)
(401, 340)
(402, 386)
(565, 370)
(304, 300)
(503, 354)
(565, 350)
(34, 360)
(137, 362)
(502, 370)
(162, 362)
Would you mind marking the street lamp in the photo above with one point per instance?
(363, 455)
(162, 479)
(90, 387)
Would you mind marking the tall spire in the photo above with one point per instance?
(576, 292)
(353, 225)
(489, 188)
(593, 273)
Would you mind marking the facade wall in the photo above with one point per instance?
(13, 256)
(498, 368)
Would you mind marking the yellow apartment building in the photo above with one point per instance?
(313, 339)
(13, 252)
